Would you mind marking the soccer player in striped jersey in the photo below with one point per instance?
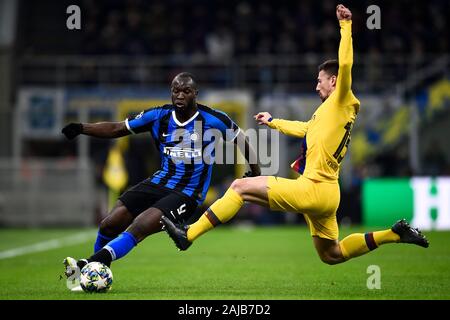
(185, 133)
(315, 194)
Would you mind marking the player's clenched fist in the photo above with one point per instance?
(263, 118)
(72, 130)
(343, 13)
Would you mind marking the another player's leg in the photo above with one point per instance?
(358, 244)
(322, 222)
(325, 233)
(328, 250)
(225, 208)
(248, 189)
(332, 251)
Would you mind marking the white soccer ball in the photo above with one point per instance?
(96, 277)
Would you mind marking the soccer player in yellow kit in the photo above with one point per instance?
(315, 193)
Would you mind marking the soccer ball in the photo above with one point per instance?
(96, 277)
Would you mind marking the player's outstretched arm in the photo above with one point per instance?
(249, 154)
(98, 130)
(291, 128)
(345, 54)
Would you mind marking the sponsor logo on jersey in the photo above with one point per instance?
(186, 153)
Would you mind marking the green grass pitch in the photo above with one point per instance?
(231, 263)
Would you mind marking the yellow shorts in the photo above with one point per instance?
(317, 201)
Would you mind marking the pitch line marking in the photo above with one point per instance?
(48, 245)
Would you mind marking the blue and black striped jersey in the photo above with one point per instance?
(187, 149)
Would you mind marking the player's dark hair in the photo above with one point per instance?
(331, 67)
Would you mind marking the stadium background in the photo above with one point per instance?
(248, 56)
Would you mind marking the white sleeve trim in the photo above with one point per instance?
(128, 126)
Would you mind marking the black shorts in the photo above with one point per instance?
(175, 205)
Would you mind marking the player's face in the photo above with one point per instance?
(325, 85)
(183, 93)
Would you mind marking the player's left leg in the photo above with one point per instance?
(358, 244)
(324, 231)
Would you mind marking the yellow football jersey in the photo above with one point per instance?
(327, 134)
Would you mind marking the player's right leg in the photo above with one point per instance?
(169, 203)
(129, 205)
(145, 224)
(324, 231)
(357, 244)
(114, 224)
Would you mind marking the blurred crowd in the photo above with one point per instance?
(227, 28)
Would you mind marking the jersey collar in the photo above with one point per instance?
(174, 116)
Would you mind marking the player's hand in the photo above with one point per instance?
(263, 118)
(72, 130)
(343, 13)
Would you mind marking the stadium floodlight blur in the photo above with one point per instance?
(265, 51)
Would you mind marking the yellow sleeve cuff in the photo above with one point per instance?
(272, 124)
(345, 23)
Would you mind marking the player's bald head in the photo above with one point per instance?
(184, 79)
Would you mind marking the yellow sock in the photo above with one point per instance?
(219, 212)
(358, 244)
(353, 245)
(385, 236)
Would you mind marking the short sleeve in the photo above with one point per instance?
(227, 127)
(143, 121)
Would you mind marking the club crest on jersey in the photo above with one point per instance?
(194, 136)
(139, 115)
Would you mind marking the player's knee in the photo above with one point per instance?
(330, 259)
(107, 229)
